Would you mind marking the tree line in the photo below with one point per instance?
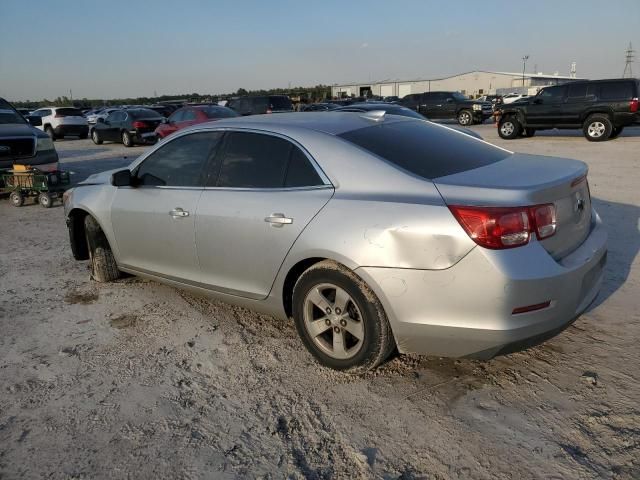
(309, 94)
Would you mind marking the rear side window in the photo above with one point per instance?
(616, 91)
(280, 103)
(68, 112)
(180, 162)
(424, 149)
(254, 160)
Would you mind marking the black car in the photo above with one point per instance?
(394, 109)
(319, 107)
(129, 125)
(163, 110)
(602, 108)
(261, 105)
(448, 106)
(21, 143)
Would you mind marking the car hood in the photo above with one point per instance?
(20, 130)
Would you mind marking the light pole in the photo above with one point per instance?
(524, 65)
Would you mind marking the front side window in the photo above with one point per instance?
(177, 116)
(254, 160)
(180, 162)
(189, 115)
(577, 91)
(552, 94)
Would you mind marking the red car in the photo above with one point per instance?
(192, 115)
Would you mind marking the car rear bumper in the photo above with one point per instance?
(466, 310)
(144, 137)
(75, 130)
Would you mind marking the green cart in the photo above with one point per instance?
(22, 183)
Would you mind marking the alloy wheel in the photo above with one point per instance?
(596, 129)
(507, 128)
(333, 321)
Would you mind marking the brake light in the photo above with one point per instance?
(139, 124)
(269, 110)
(506, 227)
(633, 105)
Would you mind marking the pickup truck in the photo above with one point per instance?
(448, 106)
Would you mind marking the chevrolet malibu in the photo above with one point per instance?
(372, 232)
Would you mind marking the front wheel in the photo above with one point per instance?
(340, 320)
(95, 136)
(465, 118)
(127, 141)
(49, 131)
(45, 199)
(509, 128)
(597, 128)
(103, 263)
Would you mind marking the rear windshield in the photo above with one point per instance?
(280, 103)
(424, 149)
(8, 117)
(219, 112)
(143, 113)
(68, 112)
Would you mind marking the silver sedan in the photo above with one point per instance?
(373, 232)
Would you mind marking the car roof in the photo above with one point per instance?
(332, 122)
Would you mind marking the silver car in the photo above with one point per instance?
(373, 232)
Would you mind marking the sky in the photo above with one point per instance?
(131, 48)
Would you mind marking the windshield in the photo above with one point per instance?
(458, 96)
(8, 117)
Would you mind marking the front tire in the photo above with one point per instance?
(49, 131)
(509, 128)
(45, 199)
(597, 128)
(465, 118)
(127, 141)
(340, 320)
(95, 136)
(103, 263)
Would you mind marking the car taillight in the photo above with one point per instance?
(269, 110)
(139, 124)
(506, 227)
(633, 105)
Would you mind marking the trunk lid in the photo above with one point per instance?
(522, 180)
(151, 124)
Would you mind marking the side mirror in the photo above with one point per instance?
(100, 120)
(34, 120)
(121, 178)
(164, 120)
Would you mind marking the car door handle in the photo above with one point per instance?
(278, 220)
(178, 212)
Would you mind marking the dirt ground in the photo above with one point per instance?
(139, 380)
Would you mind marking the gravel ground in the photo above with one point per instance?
(139, 380)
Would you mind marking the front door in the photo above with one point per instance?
(266, 192)
(545, 110)
(154, 220)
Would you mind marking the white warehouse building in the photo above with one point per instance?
(472, 84)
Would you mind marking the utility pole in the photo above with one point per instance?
(524, 65)
(71, 95)
(629, 55)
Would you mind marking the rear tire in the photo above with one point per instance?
(49, 131)
(465, 118)
(331, 344)
(127, 141)
(95, 136)
(509, 128)
(615, 132)
(103, 263)
(16, 199)
(45, 199)
(597, 128)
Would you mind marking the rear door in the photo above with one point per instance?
(262, 191)
(580, 96)
(154, 222)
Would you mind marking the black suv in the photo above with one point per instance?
(448, 105)
(260, 105)
(602, 108)
(21, 143)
